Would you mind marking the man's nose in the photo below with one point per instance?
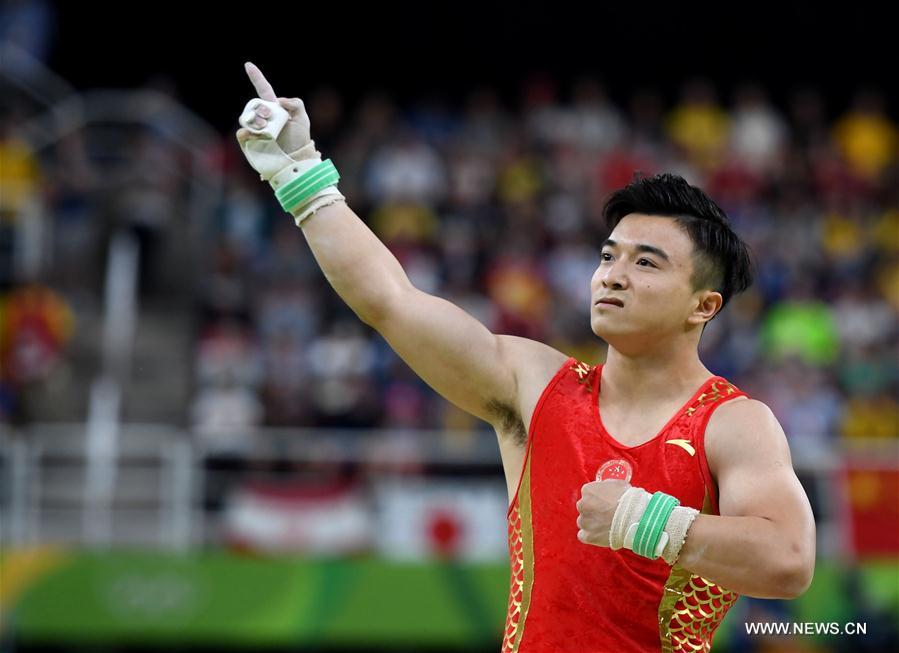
(613, 276)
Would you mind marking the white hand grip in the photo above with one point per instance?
(275, 123)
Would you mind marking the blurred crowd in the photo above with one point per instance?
(496, 208)
(499, 211)
(489, 201)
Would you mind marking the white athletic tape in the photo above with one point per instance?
(264, 153)
(678, 524)
(630, 508)
(328, 196)
(632, 533)
(274, 123)
(626, 519)
(273, 164)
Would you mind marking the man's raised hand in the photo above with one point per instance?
(294, 138)
(263, 89)
(274, 136)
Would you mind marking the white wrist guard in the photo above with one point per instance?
(670, 529)
(303, 183)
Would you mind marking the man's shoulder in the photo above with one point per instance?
(739, 411)
(532, 360)
(534, 365)
(740, 425)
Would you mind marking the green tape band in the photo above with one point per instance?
(303, 188)
(652, 523)
(307, 178)
(294, 203)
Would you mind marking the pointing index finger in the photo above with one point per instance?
(263, 88)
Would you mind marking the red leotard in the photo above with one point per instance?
(569, 596)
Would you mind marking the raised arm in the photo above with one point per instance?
(451, 351)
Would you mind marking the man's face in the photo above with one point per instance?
(646, 263)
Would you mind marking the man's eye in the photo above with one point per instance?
(603, 256)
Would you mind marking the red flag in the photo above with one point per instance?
(873, 500)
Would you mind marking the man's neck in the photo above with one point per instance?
(653, 377)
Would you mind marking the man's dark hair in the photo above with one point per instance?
(721, 260)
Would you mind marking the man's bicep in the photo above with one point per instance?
(451, 351)
(756, 479)
(750, 459)
(769, 490)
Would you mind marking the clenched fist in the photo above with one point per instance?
(596, 507)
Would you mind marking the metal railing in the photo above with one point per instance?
(154, 483)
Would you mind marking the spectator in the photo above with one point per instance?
(698, 126)
(866, 135)
(758, 133)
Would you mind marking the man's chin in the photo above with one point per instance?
(603, 327)
(609, 335)
(612, 335)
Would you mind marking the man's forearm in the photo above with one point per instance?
(355, 262)
(749, 555)
(276, 139)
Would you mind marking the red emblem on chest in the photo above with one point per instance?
(616, 469)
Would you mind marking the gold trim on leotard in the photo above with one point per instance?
(692, 607)
(521, 548)
(584, 372)
(717, 390)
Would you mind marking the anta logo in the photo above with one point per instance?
(685, 444)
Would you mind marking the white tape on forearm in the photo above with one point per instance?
(277, 167)
(627, 517)
(328, 196)
(632, 533)
(678, 524)
(630, 508)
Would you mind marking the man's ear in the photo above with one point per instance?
(709, 303)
